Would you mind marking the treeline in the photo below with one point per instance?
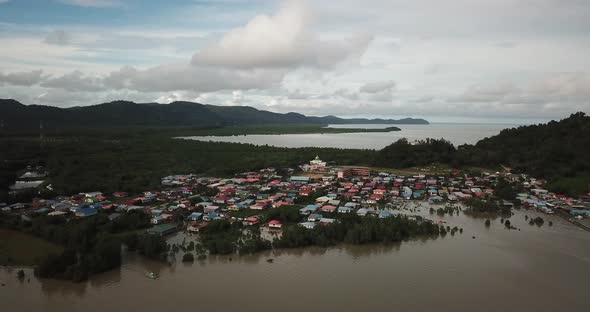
(91, 245)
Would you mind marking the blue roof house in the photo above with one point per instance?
(309, 209)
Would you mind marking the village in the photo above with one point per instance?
(189, 202)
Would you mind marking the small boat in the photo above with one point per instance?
(151, 275)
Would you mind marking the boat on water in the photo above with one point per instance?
(151, 275)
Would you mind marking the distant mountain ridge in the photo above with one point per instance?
(15, 115)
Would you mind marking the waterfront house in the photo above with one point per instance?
(163, 229)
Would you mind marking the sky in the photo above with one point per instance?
(502, 61)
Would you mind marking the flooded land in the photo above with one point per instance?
(529, 268)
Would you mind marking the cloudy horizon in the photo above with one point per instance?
(462, 60)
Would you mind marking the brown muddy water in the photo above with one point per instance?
(535, 269)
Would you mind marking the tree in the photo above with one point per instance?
(188, 257)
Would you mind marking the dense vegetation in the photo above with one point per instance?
(405, 154)
(137, 163)
(555, 149)
(354, 229)
(476, 205)
(135, 159)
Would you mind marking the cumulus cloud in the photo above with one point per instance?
(347, 94)
(57, 37)
(180, 76)
(562, 88)
(285, 39)
(22, 78)
(376, 87)
(237, 98)
(486, 92)
(74, 81)
(297, 95)
(380, 91)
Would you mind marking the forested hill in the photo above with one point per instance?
(15, 115)
(555, 149)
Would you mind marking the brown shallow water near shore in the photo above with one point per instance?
(535, 269)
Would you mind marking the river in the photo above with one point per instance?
(543, 268)
(456, 133)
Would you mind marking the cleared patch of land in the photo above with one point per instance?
(21, 249)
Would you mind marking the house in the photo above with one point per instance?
(380, 191)
(345, 209)
(435, 199)
(322, 199)
(299, 179)
(308, 225)
(305, 192)
(314, 217)
(196, 227)
(328, 208)
(221, 199)
(195, 216)
(210, 209)
(327, 221)
(275, 224)
(309, 209)
(249, 221)
(211, 216)
(385, 214)
(407, 192)
(163, 229)
(261, 204)
(362, 212)
(159, 219)
(86, 212)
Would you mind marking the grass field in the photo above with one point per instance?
(21, 249)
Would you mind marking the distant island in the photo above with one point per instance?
(17, 116)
